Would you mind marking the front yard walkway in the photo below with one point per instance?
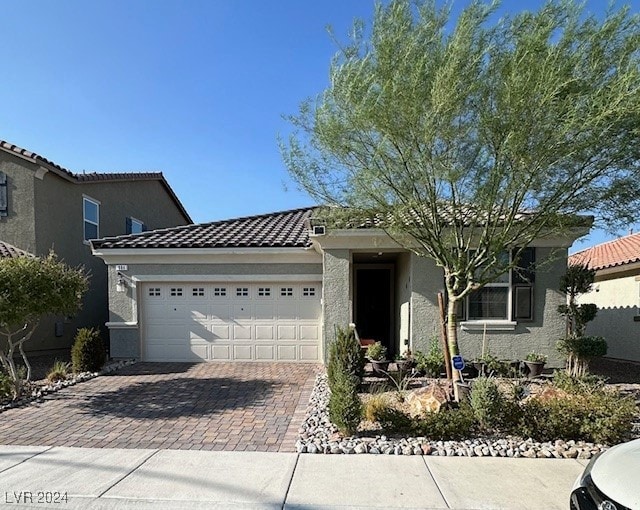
(204, 406)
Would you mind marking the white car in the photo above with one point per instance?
(611, 481)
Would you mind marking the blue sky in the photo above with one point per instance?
(194, 88)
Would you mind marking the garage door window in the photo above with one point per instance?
(286, 292)
(308, 291)
(242, 291)
(154, 292)
(264, 291)
(197, 292)
(176, 291)
(219, 291)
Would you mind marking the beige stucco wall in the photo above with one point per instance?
(18, 227)
(617, 296)
(337, 301)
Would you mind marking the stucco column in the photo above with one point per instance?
(336, 295)
(426, 281)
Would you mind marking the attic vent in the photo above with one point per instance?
(318, 230)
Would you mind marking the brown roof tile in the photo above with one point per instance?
(618, 252)
(9, 251)
(286, 229)
(93, 177)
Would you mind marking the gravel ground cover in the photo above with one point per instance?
(318, 435)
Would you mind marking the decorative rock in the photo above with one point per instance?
(360, 448)
(426, 449)
(529, 454)
(429, 399)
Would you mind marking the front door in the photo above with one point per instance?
(374, 304)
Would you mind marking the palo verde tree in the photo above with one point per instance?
(467, 139)
(31, 287)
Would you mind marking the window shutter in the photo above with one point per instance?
(128, 226)
(4, 209)
(525, 273)
(523, 303)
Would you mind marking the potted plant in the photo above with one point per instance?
(404, 361)
(534, 361)
(377, 354)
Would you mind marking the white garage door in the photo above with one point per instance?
(231, 322)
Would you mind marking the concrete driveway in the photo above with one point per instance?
(204, 406)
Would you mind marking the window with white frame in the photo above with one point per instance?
(264, 291)
(176, 292)
(91, 217)
(308, 291)
(219, 291)
(242, 291)
(286, 291)
(154, 292)
(197, 291)
(508, 296)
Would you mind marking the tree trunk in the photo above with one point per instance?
(452, 340)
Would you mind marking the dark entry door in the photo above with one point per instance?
(374, 301)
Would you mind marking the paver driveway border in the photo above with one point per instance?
(203, 406)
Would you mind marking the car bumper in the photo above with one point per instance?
(586, 496)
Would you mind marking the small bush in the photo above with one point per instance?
(393, 420)
(377, 352)
(58, 372)
(447, 425)
(578, 385)
(345, 407)
(431, 363)
(88, 352)
(601, 417)
(6, 386)
(487, 402)
(374, 405)
(345, 354)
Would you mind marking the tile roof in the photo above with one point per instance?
(93, 177)
(9, 251)
(618, 252)
(285, 229)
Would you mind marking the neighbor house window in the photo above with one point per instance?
(91, 211)
(134, 226)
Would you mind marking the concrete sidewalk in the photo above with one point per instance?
(78, 478)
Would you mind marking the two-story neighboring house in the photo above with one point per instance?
(44, 207)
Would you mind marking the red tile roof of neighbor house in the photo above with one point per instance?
(618, 252)
(93, 177)
(9, 251)
(285, 229)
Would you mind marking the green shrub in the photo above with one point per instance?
(601, 417)
(487, 402)
(58, 372)
(345, 407)
(583, 347)
(431, 363)
(345, 354)
(377, 352)
(88, 352)
(448, 425)
(373, 406)
(578, 385)
(392, 420)
(6, 386)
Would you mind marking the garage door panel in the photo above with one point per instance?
(199, 311)
(287, 310)
(220, 311)
(264, 332)
(309, 310)
(242, 311)
(242, 352)
(231, 321)
(287, 331)
(220, 331)
(221, 352)
(264, 311)
(241, 332)
(309, 352)
(264, 352)
(286, 352)
(309, 332)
